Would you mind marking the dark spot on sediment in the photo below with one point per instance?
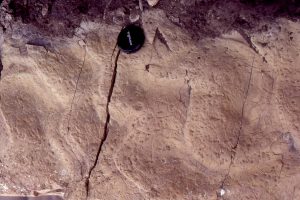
(147, 67)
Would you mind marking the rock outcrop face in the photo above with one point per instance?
(180, 119)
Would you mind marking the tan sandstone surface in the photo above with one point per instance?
(213, 119)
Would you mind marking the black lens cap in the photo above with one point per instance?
(131, 38)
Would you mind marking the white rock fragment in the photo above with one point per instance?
(152, 2)
(45, 10)
(8, 17)
(222, 192)
(3, 187)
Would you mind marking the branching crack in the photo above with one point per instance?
(234, 148)
(106, 128)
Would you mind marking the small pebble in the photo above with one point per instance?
(134, 16)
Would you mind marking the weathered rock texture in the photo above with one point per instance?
(186, 118)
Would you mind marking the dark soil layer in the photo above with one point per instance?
(202, 18)
(212, 17)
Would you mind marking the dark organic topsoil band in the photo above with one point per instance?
(46, 197)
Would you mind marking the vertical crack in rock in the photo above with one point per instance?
(293, 195)
(1, 67)
(106, 128)
(186, 102)
(281, 166)
(72, 104)
(234, 148)
(76, 88)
